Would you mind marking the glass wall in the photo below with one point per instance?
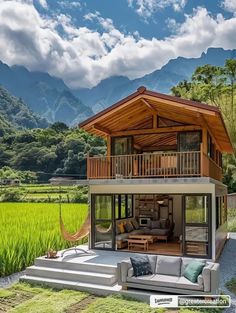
(105, 210)
(221, 212)
(103, 222)
(123, 206)
(197, 225)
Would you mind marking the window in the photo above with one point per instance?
(123, 206)
(221, 212)
(196, 210)
(220, 160)
(196, 229)
(218, 212)
(103, 207)
(189, 141)
(209, 146)
(122, 145)
(129, 205)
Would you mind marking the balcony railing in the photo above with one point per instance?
(146, 165)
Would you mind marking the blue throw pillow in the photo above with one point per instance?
(193, 270)
(141, 265)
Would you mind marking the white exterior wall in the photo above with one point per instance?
(153, 188)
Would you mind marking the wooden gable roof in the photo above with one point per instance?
(136, 111)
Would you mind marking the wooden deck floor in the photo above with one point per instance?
(159, 247)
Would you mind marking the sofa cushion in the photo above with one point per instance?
(136, 232)
(122, 236)
(153, 261)
(168, 265)
(141, 265)
(155, 224)
(165, 281)
(193, 270)
(128, 227)
(184, 283)
(156, 232)
(135, 223)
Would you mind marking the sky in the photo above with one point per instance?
(84, 42)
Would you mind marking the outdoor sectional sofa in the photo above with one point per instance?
(168, 276)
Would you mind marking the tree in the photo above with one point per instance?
(59, 127)
(216, 86)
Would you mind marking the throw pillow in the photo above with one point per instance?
(129, 227)
(117, 229)
(122, 228)
(193, 270)
(135, 224)
(155, 224)
(141, 265)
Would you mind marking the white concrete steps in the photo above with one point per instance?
(96, 278)
(68, 284)
(74, 266)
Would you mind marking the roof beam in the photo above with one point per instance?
(101, 129)
(150, 106)
(205, 124)
(161, 130)
(181, 105)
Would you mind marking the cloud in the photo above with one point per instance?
(146, 8)
(229, 5)
(83, 57)
(43, 3)
(69, 4)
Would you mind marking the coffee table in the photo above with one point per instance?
(149, 238)
(137, 243)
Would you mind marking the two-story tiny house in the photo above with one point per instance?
(159, 188)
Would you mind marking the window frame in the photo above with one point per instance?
(119, 217)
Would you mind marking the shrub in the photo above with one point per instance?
(11, 195)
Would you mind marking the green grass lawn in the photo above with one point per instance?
(23, 298)
(28, 230)
(231, 285)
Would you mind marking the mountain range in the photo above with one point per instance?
(14, 113)
(115, 88)
(49, 96)
(44, 94)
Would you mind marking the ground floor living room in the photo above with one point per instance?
(169, 224)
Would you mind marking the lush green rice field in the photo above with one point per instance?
(28, 230)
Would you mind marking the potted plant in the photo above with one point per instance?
(51, 254)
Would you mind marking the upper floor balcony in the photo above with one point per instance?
(153, 165)
(151, 135)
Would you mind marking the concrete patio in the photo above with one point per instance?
(97, 272)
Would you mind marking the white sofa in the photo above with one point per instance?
(168, 276)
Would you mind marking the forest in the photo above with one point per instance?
(57, 149)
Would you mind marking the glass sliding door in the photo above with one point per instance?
(122, 147)
(189, 162)
(197, 222)
(103, 222)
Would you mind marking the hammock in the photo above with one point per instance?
(78, 235)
